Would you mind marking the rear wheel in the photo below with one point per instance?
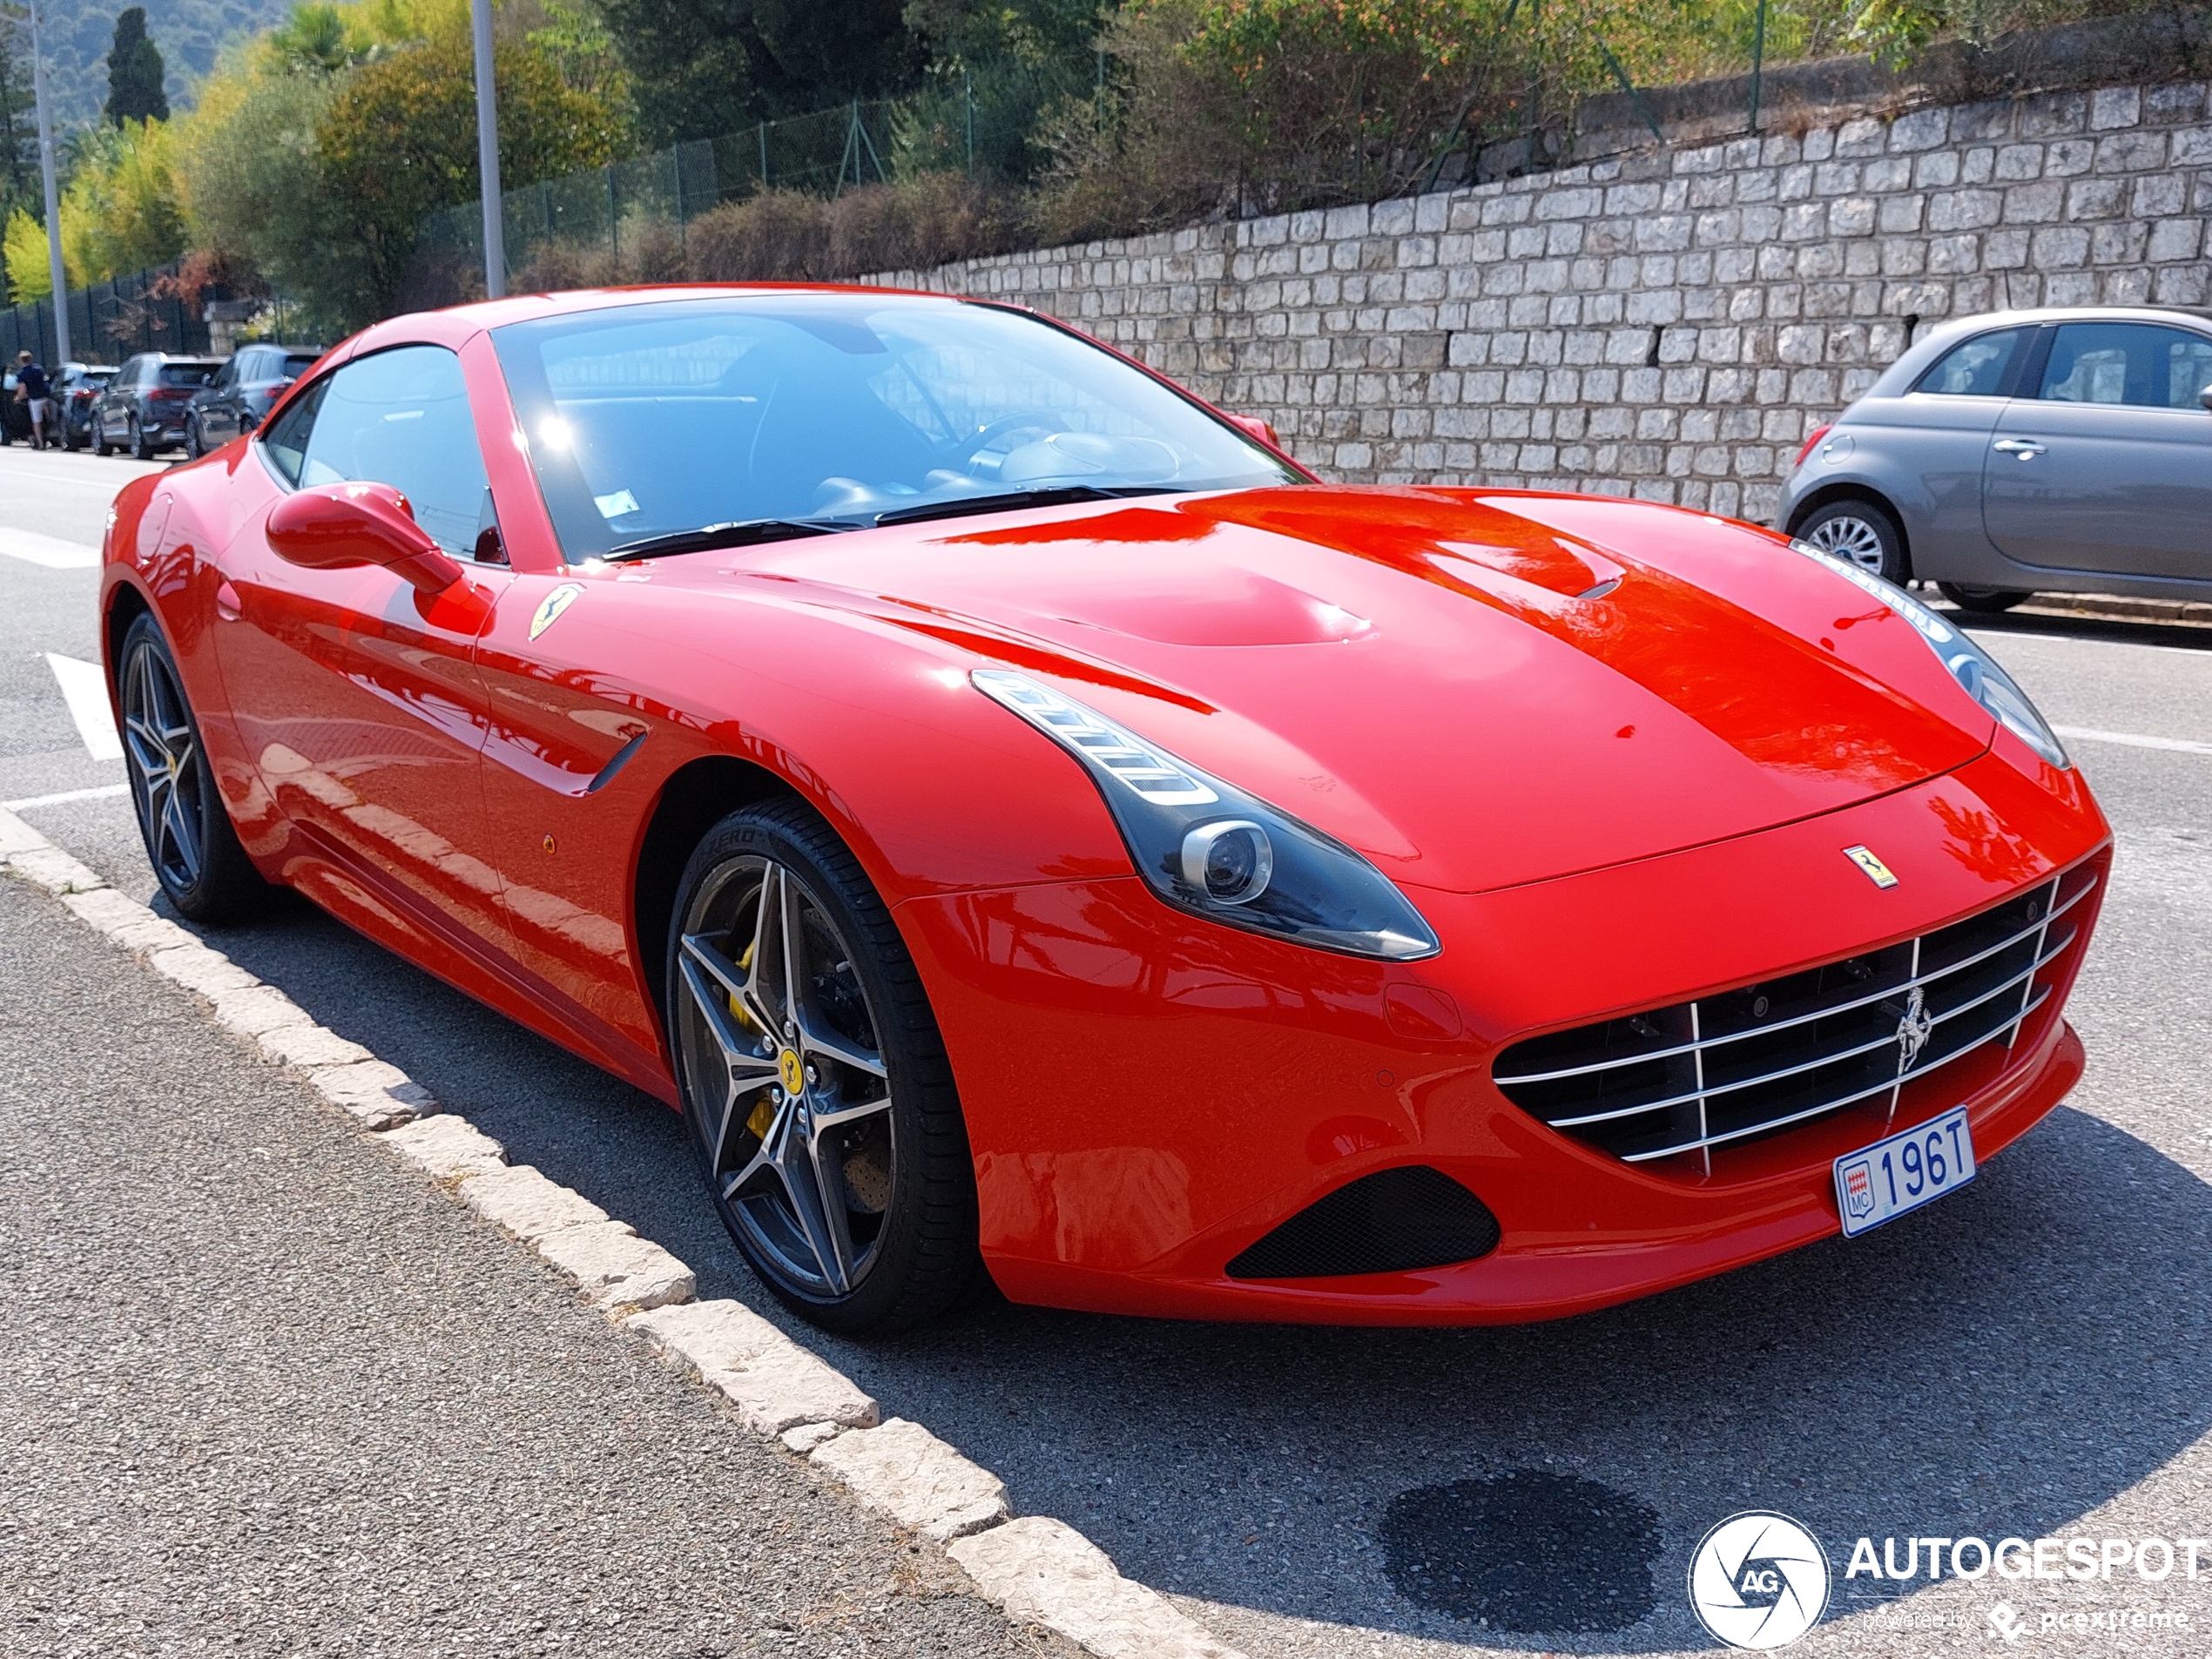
(814, 1081)
(1986, 601)
(194, 851)
(140, 449)
(1866, 533)
(100, 445)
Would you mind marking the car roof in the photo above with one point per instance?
(534, 308)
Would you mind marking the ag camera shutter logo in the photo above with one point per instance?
(1758, 1581)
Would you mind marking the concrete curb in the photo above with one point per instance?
(1039, 1570)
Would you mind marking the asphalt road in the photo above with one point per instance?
(2031, 1357)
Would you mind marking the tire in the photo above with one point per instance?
(896, 1243)
(71, 441)
(195, 446)
(1863, 532)
(1985, 602)
(189, 839)
(100, 445)
(140, 449)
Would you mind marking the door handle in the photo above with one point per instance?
(2018, 449)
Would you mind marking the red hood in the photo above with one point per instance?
(1444, 678)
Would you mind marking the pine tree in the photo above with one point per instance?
(135, 72)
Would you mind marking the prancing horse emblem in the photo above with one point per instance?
(1913, 1030)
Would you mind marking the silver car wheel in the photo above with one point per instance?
(166, 778)
(793, 1096)
(1849, 537)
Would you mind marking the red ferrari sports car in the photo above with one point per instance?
(1027, 824)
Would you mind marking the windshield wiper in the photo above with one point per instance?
(1007, 501)
(746, 532)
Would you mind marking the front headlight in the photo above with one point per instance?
(1973, 667)
(1207, 847)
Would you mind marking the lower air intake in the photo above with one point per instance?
(1393, 1221)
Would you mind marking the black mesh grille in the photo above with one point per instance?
(1743, 1063)
(1390, 1222)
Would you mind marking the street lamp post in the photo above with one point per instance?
(53, 196)
(487, 153)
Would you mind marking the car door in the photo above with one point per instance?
(355, 691)
(2104, 462)
(217, 405)
(1924, 448)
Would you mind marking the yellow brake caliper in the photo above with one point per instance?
(763, 1113)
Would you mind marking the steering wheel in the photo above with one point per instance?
(1031, 421)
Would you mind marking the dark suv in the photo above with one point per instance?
(233, 402)
(143, 409)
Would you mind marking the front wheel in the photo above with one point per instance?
(194, 851)
(815, 1084)
(1861, 532)
(1984, 601)
(195, 445)
(100, 445)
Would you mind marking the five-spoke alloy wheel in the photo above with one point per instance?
(814, 1081)
(194, 851)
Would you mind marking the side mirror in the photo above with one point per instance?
(338, 527)
(1252, 426)
(2205, 397)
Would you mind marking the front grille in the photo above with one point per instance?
(1725, 1068)
(1393, 1221)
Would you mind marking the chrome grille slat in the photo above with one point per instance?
(1900, 987)
(1940, 997)
(2014, 983)
(1826, 1106)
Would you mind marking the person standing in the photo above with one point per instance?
(36, 395)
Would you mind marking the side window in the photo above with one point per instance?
(401, 417)
(2137, 364)
(1974, 368)
(285, 442)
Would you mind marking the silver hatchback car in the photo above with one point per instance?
(2066, 450)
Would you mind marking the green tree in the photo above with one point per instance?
(18, 118)
(712, 66)
(135, 72)
(398, 141)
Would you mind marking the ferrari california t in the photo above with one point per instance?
(1028, 825)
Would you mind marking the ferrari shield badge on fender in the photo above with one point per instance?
(550, 607)
(1877, 872)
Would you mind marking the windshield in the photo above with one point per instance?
(651, 420)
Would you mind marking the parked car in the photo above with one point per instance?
(1027, 824)
(15, 418)
(143, 407)
(2025, 451)
(234, 402)
(79, 389)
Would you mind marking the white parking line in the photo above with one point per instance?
(101, 792)
(2134, 739)
(49, 550)
(84, 687)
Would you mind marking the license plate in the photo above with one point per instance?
(1902, 1173)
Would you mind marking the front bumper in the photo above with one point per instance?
(1147, 1095)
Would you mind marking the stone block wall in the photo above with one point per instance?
(1669, 324)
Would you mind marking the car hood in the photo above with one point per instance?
(1476, 689)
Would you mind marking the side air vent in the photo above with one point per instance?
(1393, 1221)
